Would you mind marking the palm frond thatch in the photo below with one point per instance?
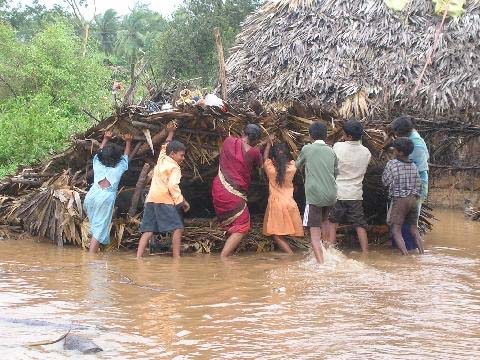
(327, 51)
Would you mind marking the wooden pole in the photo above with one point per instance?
(138, 190)
(222, 75)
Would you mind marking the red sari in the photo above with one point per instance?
(230, 186)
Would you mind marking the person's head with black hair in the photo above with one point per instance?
(402, 126)
(353, 130)
(318, 131)
(281, 157)
(252, 134)
(110, 155)
(402, 147)
(176, 150)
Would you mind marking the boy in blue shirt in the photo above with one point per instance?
(403, 127)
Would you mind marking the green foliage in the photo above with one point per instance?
(106, 28)
(31, 129)
(44, 87)
(30, 19)
(45, 83)
(186, 49)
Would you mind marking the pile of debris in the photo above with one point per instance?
(47, 200)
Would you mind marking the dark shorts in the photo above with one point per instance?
(348, 212)
(161, 218)
(404, 211)
(315, 215)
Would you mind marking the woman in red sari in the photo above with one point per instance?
(229, 190)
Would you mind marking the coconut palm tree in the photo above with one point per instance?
(131, 39)
(106, 29)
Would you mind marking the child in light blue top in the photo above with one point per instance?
(108, 167)
(403, 127)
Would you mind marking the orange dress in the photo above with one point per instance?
(282, 216)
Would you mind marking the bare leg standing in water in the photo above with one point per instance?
(326, 231)
(316, 239)
(282, 244)
(94, 245)
(362, 238)
(142, 244)
(418, 238)
(231, 244)
(176, 242)
(397, 236)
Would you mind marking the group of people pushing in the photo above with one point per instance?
(333, 187)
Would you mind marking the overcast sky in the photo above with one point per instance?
(165, 7)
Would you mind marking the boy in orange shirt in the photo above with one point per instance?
(165, 200)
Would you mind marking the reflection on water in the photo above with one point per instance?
(267, 306)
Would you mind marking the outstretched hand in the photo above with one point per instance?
(108, 135)
(171, 127)
(127, 137)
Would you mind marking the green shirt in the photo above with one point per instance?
(321, 169)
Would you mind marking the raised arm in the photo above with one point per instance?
(171, 128)
(106, 138)
(268, 147)
(128, 144)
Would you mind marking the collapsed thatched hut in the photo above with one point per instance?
(46, 200)
(305, 60)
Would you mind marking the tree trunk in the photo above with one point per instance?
(86, 31)
(222, 76)
(138, 189)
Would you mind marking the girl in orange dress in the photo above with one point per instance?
(282, 216)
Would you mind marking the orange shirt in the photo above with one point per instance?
(165, 187)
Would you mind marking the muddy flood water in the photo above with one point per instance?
(254, 306)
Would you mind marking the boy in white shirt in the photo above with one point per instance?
(353, 159)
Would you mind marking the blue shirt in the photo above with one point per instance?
(420, 155)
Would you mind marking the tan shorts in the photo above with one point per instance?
(315, 215)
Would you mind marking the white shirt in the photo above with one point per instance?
(353, 159)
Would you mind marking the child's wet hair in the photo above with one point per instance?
(175, 146)
(403, 145)
(402, 126)
(354, 129)
(110, 155)
(318, 131)
(281, 157)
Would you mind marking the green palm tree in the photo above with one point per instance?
(106, 29)
(131, 39)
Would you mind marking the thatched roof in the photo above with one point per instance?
(328, 50)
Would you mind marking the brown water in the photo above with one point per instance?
(253, 306)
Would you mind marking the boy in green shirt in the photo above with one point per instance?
(321, 169)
